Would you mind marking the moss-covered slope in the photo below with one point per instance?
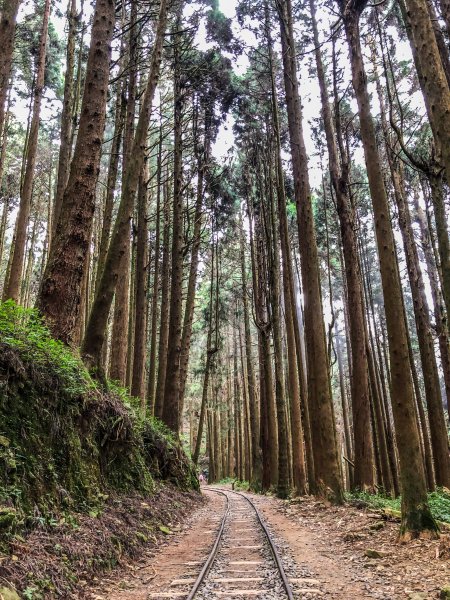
(65, 443)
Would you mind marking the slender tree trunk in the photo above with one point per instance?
(432, 76)
(12, 289)
(96, 328)
(164, 317)
(193, 269)
(326, 460)
(8, 17)
(140, 296)
(438, 303)
(153, 337)
(256, 460)
(280, 393)
(111, 182)
(210, 352)
(65, 148)
(60, 295)
(416, 516)
(171, 412)
(363, 476)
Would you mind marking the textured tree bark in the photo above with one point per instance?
(171, 409)
(438, 302)
(298, 458)
(256, 458)
(273, 244)
(12, 287)
(121, 327)
(431, 75)
(363, 476)
(164, 317)
(269, 426)
(154, 319)
(65, 148)
(326, 460)
(416, 516)
(60, 295)
(443, 241)
(111, 182)
(193, 268)
(8, 17)
(140, 296)
(96, 328)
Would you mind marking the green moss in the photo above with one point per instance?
(64, 442)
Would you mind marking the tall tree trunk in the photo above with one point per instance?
(111, 182)
(416, 516)
(275, 296)
(164, 317)
(438, 303)
(363, 476)
(171, 412)
(326, 460)
(298, 458)
(8, 17)
(60, 295)
(65, 148)
(210, 352)
(193, 268)
(432, 76)
(121, 328)
(154, 320)
(256, 460)
(98, 319)
(12, 289)
(140, 296)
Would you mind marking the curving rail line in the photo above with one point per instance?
(215, 549)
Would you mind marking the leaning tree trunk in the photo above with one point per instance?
(326, 460)
(416, 516)
(60, 295)
(12, 287)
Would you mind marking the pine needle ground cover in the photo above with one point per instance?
(70, 454)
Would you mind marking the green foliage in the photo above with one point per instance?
(238, 485)
(439, 502)
(64, 442)
(23, 330)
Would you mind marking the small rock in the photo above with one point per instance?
(377, 526)
(418, 596)
(374, 554)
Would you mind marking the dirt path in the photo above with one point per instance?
(327, 546)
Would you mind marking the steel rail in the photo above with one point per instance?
(213, 553)
(200, 579)
(276, 555)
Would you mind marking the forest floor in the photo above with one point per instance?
(330, 543)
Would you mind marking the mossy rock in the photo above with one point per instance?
(8, 518)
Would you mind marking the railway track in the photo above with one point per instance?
(243, 562)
